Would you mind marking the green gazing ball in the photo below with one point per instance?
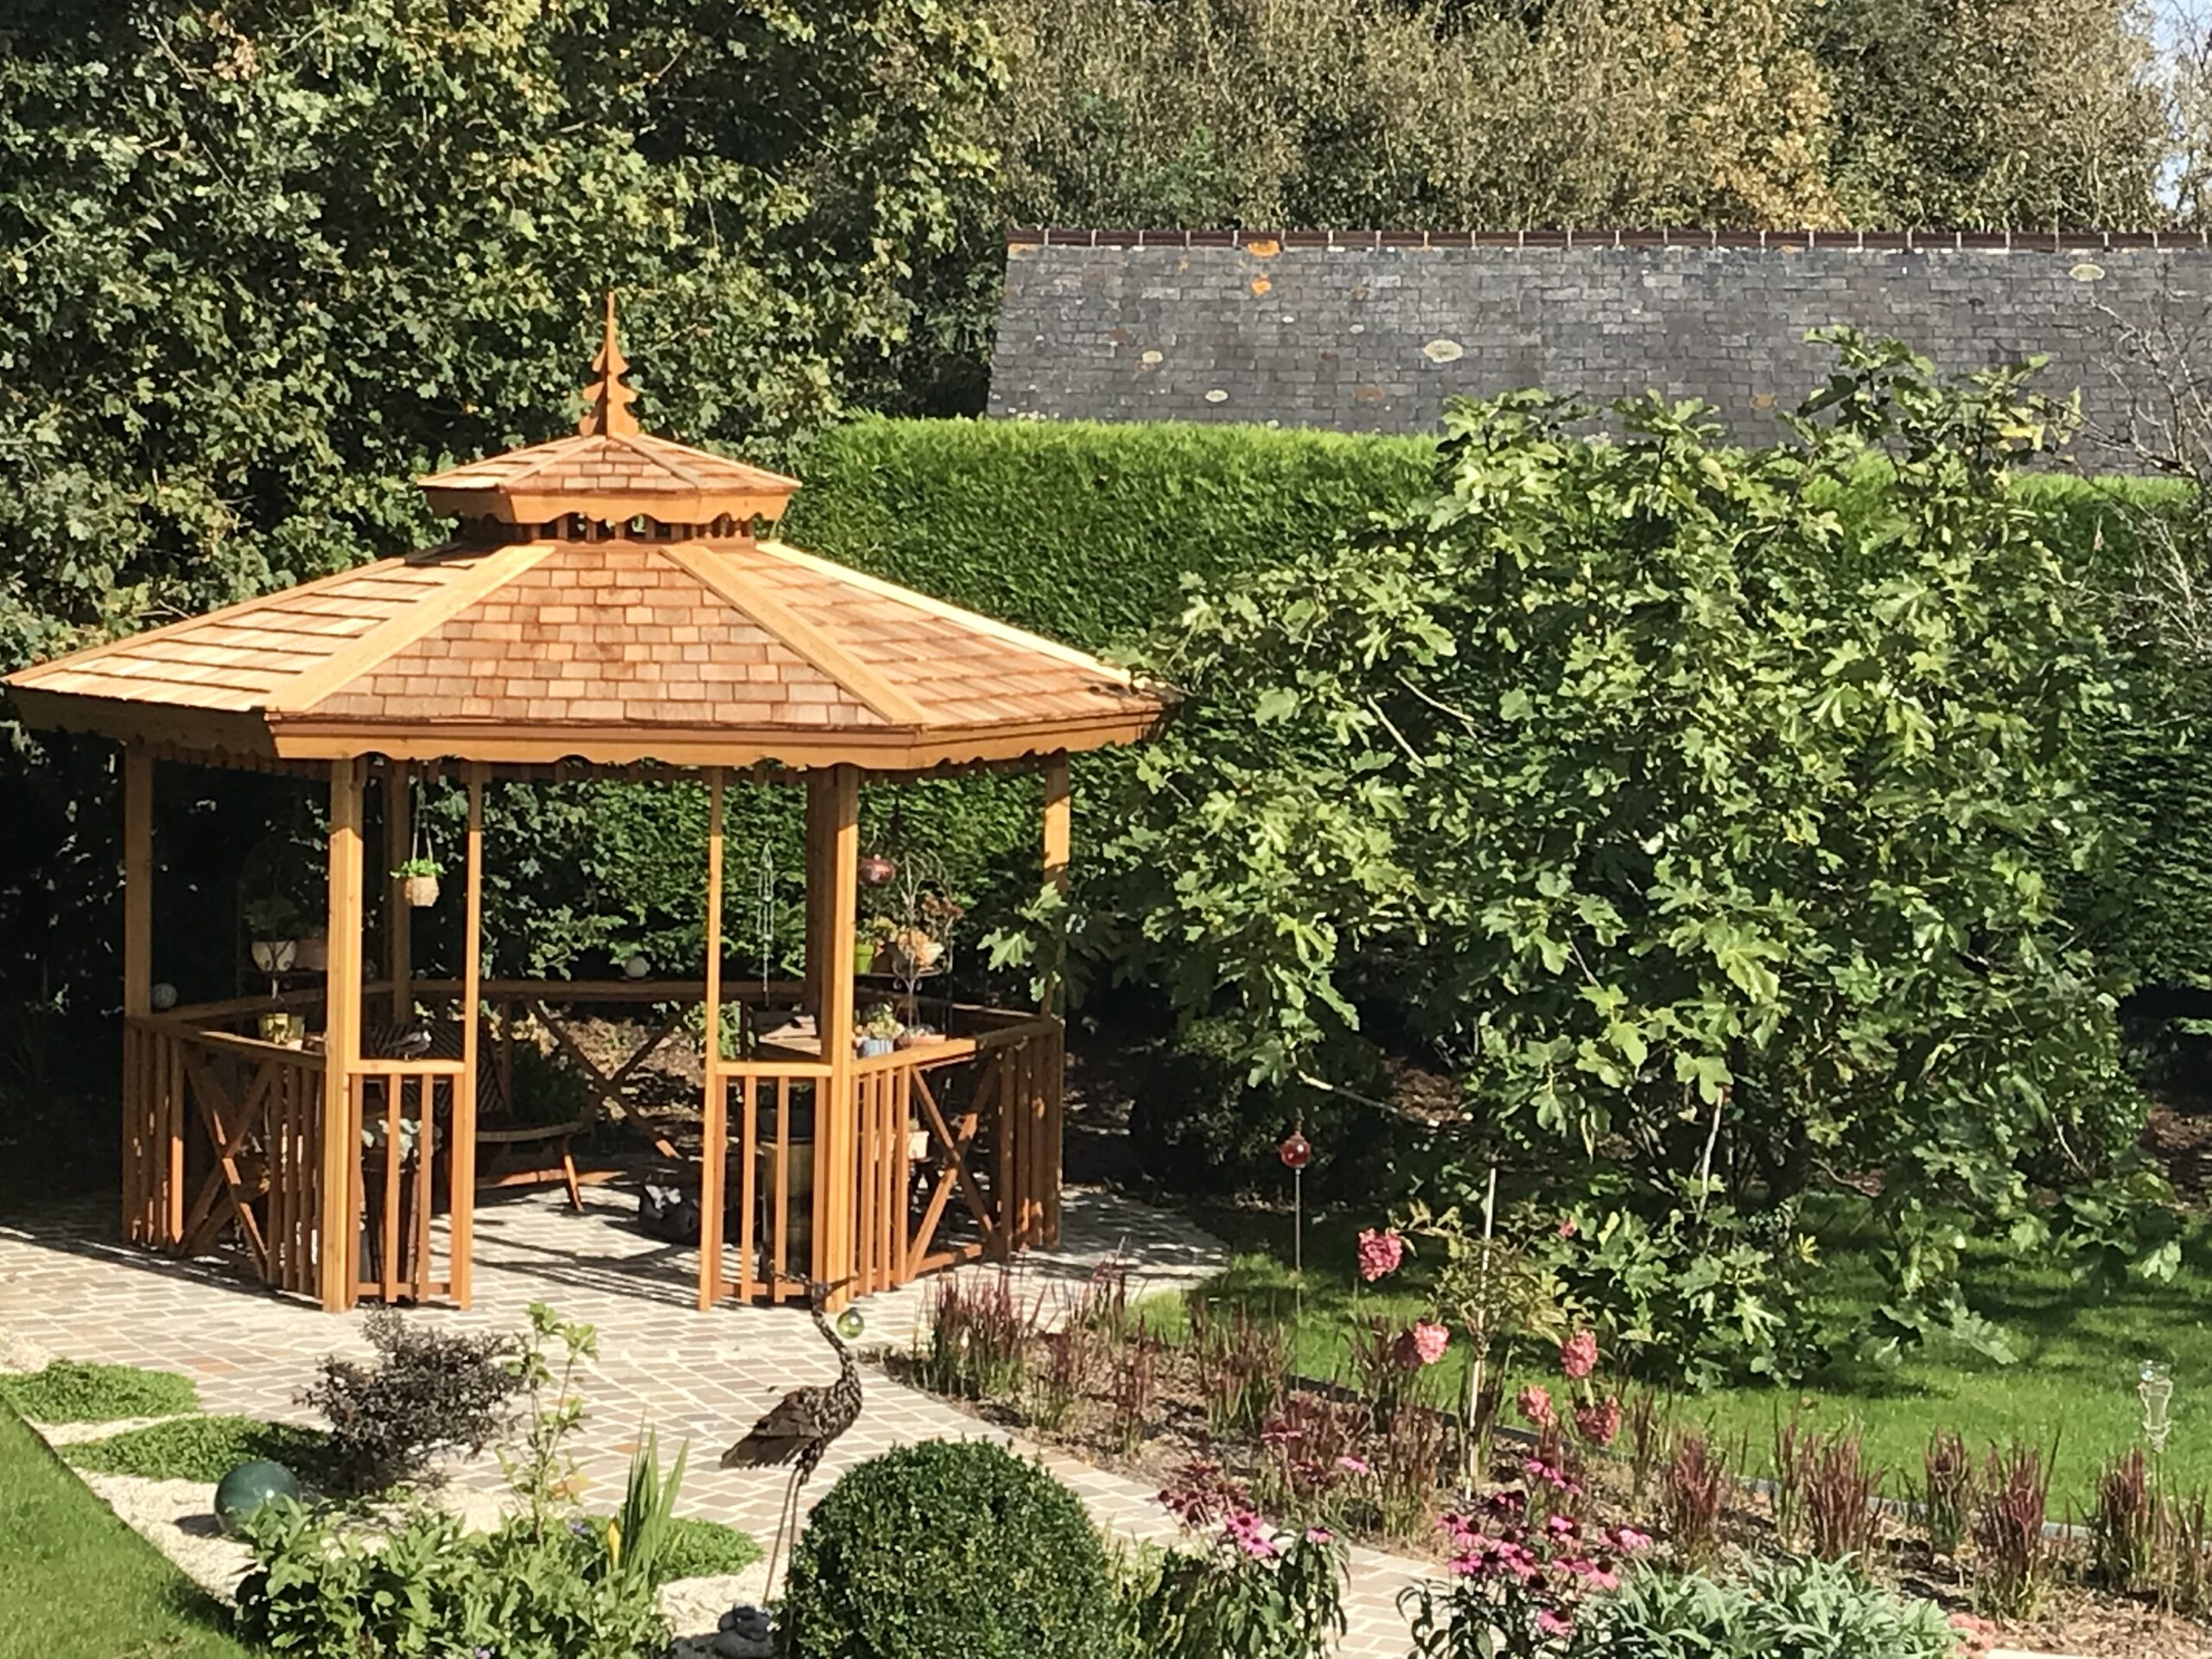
(249, 1486)
(850, 1323)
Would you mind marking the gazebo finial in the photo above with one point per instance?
(607, 400)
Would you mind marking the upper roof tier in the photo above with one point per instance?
(607, 602)
(610, 471)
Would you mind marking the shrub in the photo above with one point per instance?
(204, 1449)
(429, 1392)
(1693, 1489)
(1242, 1361)
(1781, 1609)
(76, 1391)
(320, 1593)
(2123, 1523)
(948, 1548)
(1947, 1492)
(1839, 1489)
(2012, 1556)
(979, 1336)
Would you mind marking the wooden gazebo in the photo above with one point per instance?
(605, 609)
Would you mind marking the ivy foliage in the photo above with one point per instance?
(1714, 836)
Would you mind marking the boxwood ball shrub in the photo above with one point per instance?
(948, 1548)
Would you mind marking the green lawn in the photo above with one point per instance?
(2073, 1386)
(75, 1583)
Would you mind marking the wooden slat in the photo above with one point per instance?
(746, 1091)
(715, 1167)
(781, 1207)
(425, 1166)
(388, 1242)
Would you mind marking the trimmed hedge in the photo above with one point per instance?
(945, 1547)
(1080, 529)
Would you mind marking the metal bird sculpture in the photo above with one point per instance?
(802, 1424)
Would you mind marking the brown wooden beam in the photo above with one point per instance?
(836, 1142)
(461, 1270)
(338, 1238)
(716, 1104)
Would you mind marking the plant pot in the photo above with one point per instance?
(275, 956)
(868, 1047)
(421, 891)
(311, 955)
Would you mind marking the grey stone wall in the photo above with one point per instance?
(1375, 338)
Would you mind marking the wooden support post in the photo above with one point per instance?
(713, 1171)
(398, 916)
(338, 1233)
(153, 1122)
(1058, 848)
(836, 1139)
(461, 1242)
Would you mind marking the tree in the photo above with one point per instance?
(263, 264)
(1712, 832)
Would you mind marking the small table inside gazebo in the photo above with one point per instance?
(610, 607)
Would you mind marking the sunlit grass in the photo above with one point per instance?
(2073, 1389)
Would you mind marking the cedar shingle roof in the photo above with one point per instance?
(690, 642)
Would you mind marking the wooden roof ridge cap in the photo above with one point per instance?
(864, 682)
(497, 567)
(30, 673)
(1007, 632)
(666, 463)
(762, 478)
(541, 456)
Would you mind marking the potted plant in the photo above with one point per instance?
(879, 1033)
(272, 928)
(311, 951)
(418, 876)
(871, 949)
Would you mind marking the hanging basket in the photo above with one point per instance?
(421, 891)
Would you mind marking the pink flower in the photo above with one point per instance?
(1563, 1526)
(1627, 1539)
(1506, 1505)
(1424, 1344)
(1380, 1253)
(1567, 1227)
(1599, 1424)
(1319, 1535)
(1596, 1574)
(1249, 1534)
(1353, 1466)
(1536, 1404)
(1551, 1624)
(1578, 1355)
(1278, 1432)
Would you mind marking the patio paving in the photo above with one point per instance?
(69, 1285)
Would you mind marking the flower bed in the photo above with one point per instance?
(1536, 1510)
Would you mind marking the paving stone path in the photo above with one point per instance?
(69, 1285)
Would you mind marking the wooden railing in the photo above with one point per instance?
(223, 1131)
(976, 1118)
(410, 1119)
(924, 1158)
